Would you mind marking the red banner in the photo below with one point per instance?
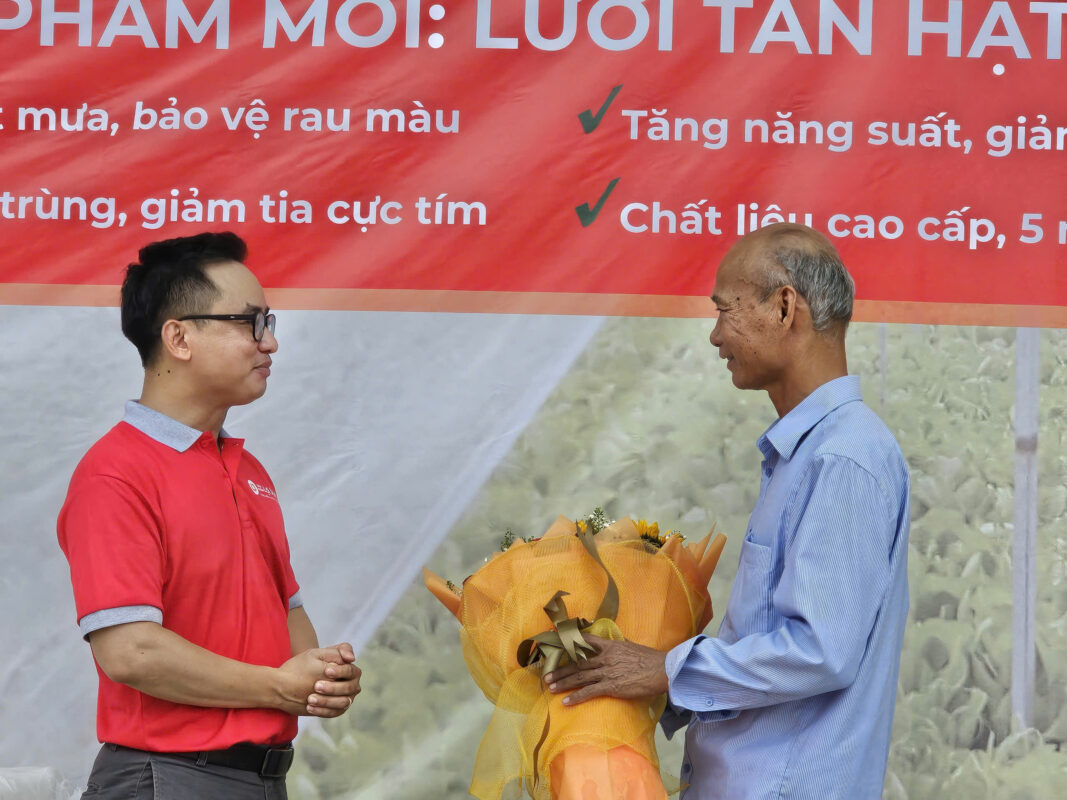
(600, 147)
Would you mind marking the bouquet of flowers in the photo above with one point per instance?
(525, 611)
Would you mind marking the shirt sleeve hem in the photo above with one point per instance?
(673, 664)
(109, 617)
(682, 706)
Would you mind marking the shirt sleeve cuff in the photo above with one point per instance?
(109, 617)
(296, 601)
(685, 699)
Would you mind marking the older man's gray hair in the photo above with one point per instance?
(805, 259)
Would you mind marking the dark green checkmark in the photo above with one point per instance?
(588, 215)
(589, 121)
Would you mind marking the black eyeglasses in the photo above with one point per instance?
(260, 322)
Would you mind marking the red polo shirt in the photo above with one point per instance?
(160, 525)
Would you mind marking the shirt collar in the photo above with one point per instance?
(785, 433)
(162, 428)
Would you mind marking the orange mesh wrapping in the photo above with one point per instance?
(603, 749)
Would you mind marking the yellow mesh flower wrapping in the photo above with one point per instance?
(603, 749)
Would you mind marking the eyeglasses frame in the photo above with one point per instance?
(269, 321)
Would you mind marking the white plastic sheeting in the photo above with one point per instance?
(34, 783)
(377, 429)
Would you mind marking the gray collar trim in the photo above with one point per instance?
(162, 428)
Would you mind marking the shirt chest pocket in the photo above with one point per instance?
(751, 608)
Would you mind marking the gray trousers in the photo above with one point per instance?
(123, 774)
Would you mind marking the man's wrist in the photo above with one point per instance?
(284, 690)
(665, 682)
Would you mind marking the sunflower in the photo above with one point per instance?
(648, 530)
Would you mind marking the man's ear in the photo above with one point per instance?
(786, 310)
(175, 343)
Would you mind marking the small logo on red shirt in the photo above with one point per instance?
(262, 491)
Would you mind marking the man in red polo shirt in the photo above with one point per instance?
(178, 555)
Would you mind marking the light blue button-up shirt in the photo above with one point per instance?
(794, 698)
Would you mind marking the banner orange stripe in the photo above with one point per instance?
(611, 305)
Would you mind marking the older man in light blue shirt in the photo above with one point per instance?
(794, 698)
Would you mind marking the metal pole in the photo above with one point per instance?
(883, 363)
(1024, 540)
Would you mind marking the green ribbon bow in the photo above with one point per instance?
(552, 646)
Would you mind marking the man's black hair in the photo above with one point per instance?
(168, 281)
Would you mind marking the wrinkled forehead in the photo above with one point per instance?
(742, 269)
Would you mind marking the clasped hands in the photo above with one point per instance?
(619, 669)
(328, 681)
